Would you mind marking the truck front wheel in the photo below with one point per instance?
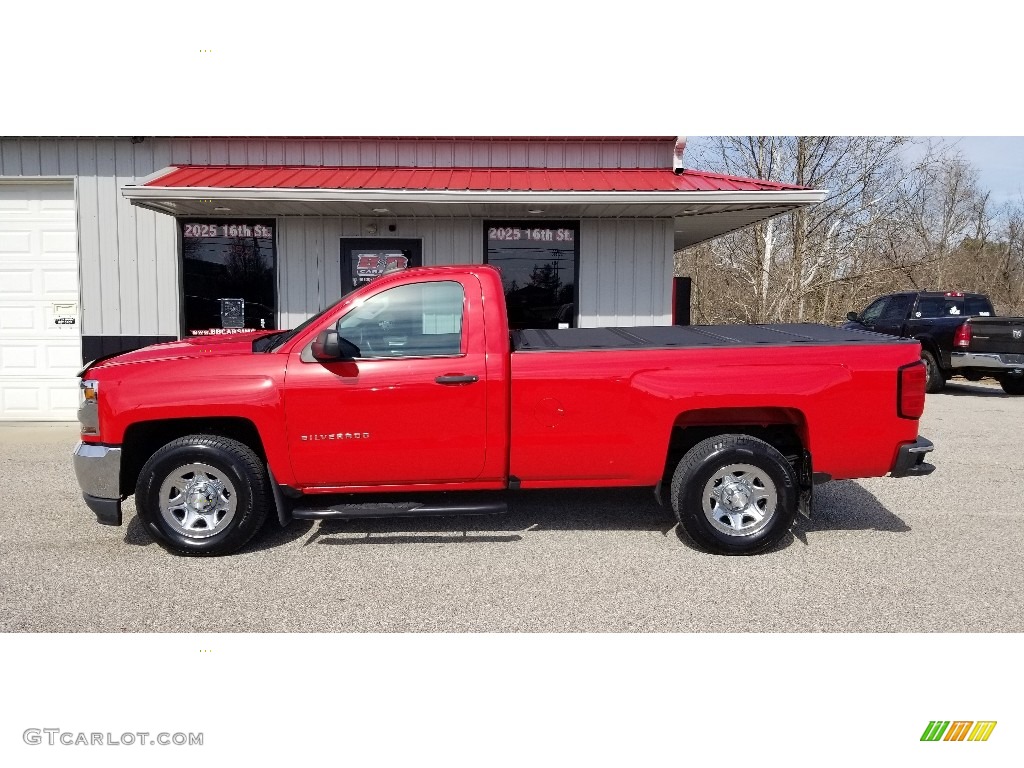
(734, 495)
(202, 495)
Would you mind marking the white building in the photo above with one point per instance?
(109, 244)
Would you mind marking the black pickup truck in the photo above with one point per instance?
(960, 334)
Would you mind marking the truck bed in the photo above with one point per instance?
(690, 336)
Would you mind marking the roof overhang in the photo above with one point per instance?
(697, 215)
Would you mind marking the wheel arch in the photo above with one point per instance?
(928, 344)
(142, 439)
(783, 428)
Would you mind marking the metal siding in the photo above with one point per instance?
(10, 157)
(312, 153)
(573, 155)
(625, 266)
(256, 152)
(588, 286)
(482, 155)
(181, 152)
(89, 239)
(462, 153)
(200, 152)
(444, 154)
(49, 158)
(67, 158)
(388, 153)
(275, 152)
(144, 239)
(128, 260)
(166, 256)
(625, 272)
(30, 165)
(332, 153)
(297, 267)
(648, 232)
(629, 155)
(109, 255)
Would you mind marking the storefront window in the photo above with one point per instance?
(228, 276)
(538, 263)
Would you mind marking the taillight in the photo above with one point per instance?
(963, 336)
(910, 390)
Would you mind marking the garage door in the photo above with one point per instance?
(40, 326)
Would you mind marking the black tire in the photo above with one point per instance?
(696, 472)
(1012, 386)
(934, 380)
(206, 465)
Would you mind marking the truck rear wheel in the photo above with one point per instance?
(734, 495)
(934, 380)
(202, 495)
(1012, 386)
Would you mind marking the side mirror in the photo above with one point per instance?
(328, 347)
(325, 346)
(852, 317)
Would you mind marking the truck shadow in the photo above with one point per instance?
(582, 510)
(272, 535)
(840, 505)
(963, 388)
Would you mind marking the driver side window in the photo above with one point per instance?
(870, 315)
(416, 320)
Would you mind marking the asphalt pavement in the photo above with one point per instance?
(935, 554)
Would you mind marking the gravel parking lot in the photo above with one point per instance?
(940, 553)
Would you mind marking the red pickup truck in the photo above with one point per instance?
(411, 397)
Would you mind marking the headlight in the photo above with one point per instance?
(88, 409)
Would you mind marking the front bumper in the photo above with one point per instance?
(990, 361)
(910, 459)
(98, 469)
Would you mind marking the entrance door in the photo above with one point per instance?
(366, 258)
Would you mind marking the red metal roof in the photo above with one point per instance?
(460, 179)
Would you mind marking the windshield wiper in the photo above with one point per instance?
(267, 343)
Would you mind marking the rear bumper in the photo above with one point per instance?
(910, 460)
(989, 360)
(98, 469)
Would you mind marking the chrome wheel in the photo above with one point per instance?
(197, 500)
(739, 499)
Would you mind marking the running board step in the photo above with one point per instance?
(357, 510)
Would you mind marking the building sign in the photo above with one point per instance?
(534, 234)
(373, 264)
(226, 230)
(228, 276)
(65, 314)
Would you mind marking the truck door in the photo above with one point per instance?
(410, 408)
(894, 314)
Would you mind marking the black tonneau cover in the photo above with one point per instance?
(674, 336)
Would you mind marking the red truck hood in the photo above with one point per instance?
(193, 346)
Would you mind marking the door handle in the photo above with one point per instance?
(456, 378)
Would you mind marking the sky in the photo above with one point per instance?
(1000, 162)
